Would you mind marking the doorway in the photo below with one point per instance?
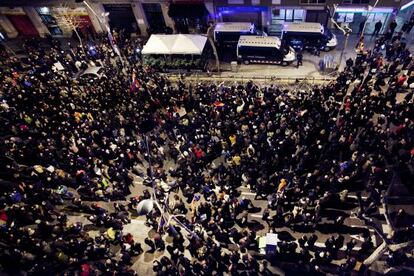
(155, 18)
(121, 17)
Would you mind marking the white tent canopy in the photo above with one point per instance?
(179, 44)
(158, 44)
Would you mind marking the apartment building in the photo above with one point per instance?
(142, 17)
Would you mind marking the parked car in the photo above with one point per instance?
(92, 74)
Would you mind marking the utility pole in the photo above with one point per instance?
(343, 50)
(346, 31)
(370, 9)
(210, 31)
(104, 25)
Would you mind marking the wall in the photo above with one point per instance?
(8, 27)
(169, 22)
(136, 5)
(140, 17)
(37, 21)
(99, 10)
(381, 3)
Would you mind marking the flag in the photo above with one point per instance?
(282, 185)
(218, 104)
(134, 82)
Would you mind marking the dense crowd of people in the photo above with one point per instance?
(71, 147)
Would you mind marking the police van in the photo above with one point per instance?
(308, 35)
(264, 49)
(227, 34)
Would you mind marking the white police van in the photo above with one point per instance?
(264, 49)
(228, 33)
(308, 35)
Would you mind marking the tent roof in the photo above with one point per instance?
(175, 44)
(189, 44)
(158, 44)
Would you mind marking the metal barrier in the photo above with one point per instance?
(219, 78)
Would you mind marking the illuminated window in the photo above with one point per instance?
(312, 1)
(355, 2)
(49, 20)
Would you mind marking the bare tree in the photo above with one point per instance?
(69, 21)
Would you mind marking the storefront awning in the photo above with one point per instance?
(186, 10)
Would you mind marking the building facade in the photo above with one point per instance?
(143, 17)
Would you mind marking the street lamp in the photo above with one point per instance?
(210, 32)
(346, 31)
(104, 25)
(370, 9)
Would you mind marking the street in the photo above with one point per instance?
(354, 226)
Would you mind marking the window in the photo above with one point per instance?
(314, 1)
(298, 15)
(280, 16)
(259, 52)
(345, 17)
(235, 2)
(355, 2)
(49, 20)
(287, 15)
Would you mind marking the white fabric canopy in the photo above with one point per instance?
(180, 44)
(189, 44)
(158, 44)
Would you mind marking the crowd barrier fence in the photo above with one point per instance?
(266, 79)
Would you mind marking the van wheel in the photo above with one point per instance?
(246, 62)
(326, 49)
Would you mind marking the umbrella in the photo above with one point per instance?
(145, 207)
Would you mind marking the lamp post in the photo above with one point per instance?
(370, 9)
(104, 26)
(210, 32)
(346, 33)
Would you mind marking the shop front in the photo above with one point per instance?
(80, 16)
(282, 14)
(20, 21)
(354, 17)
(155, 17)
(189, 16)
(405, 14)
(49, 21)
(121, 17)
(252, 14)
